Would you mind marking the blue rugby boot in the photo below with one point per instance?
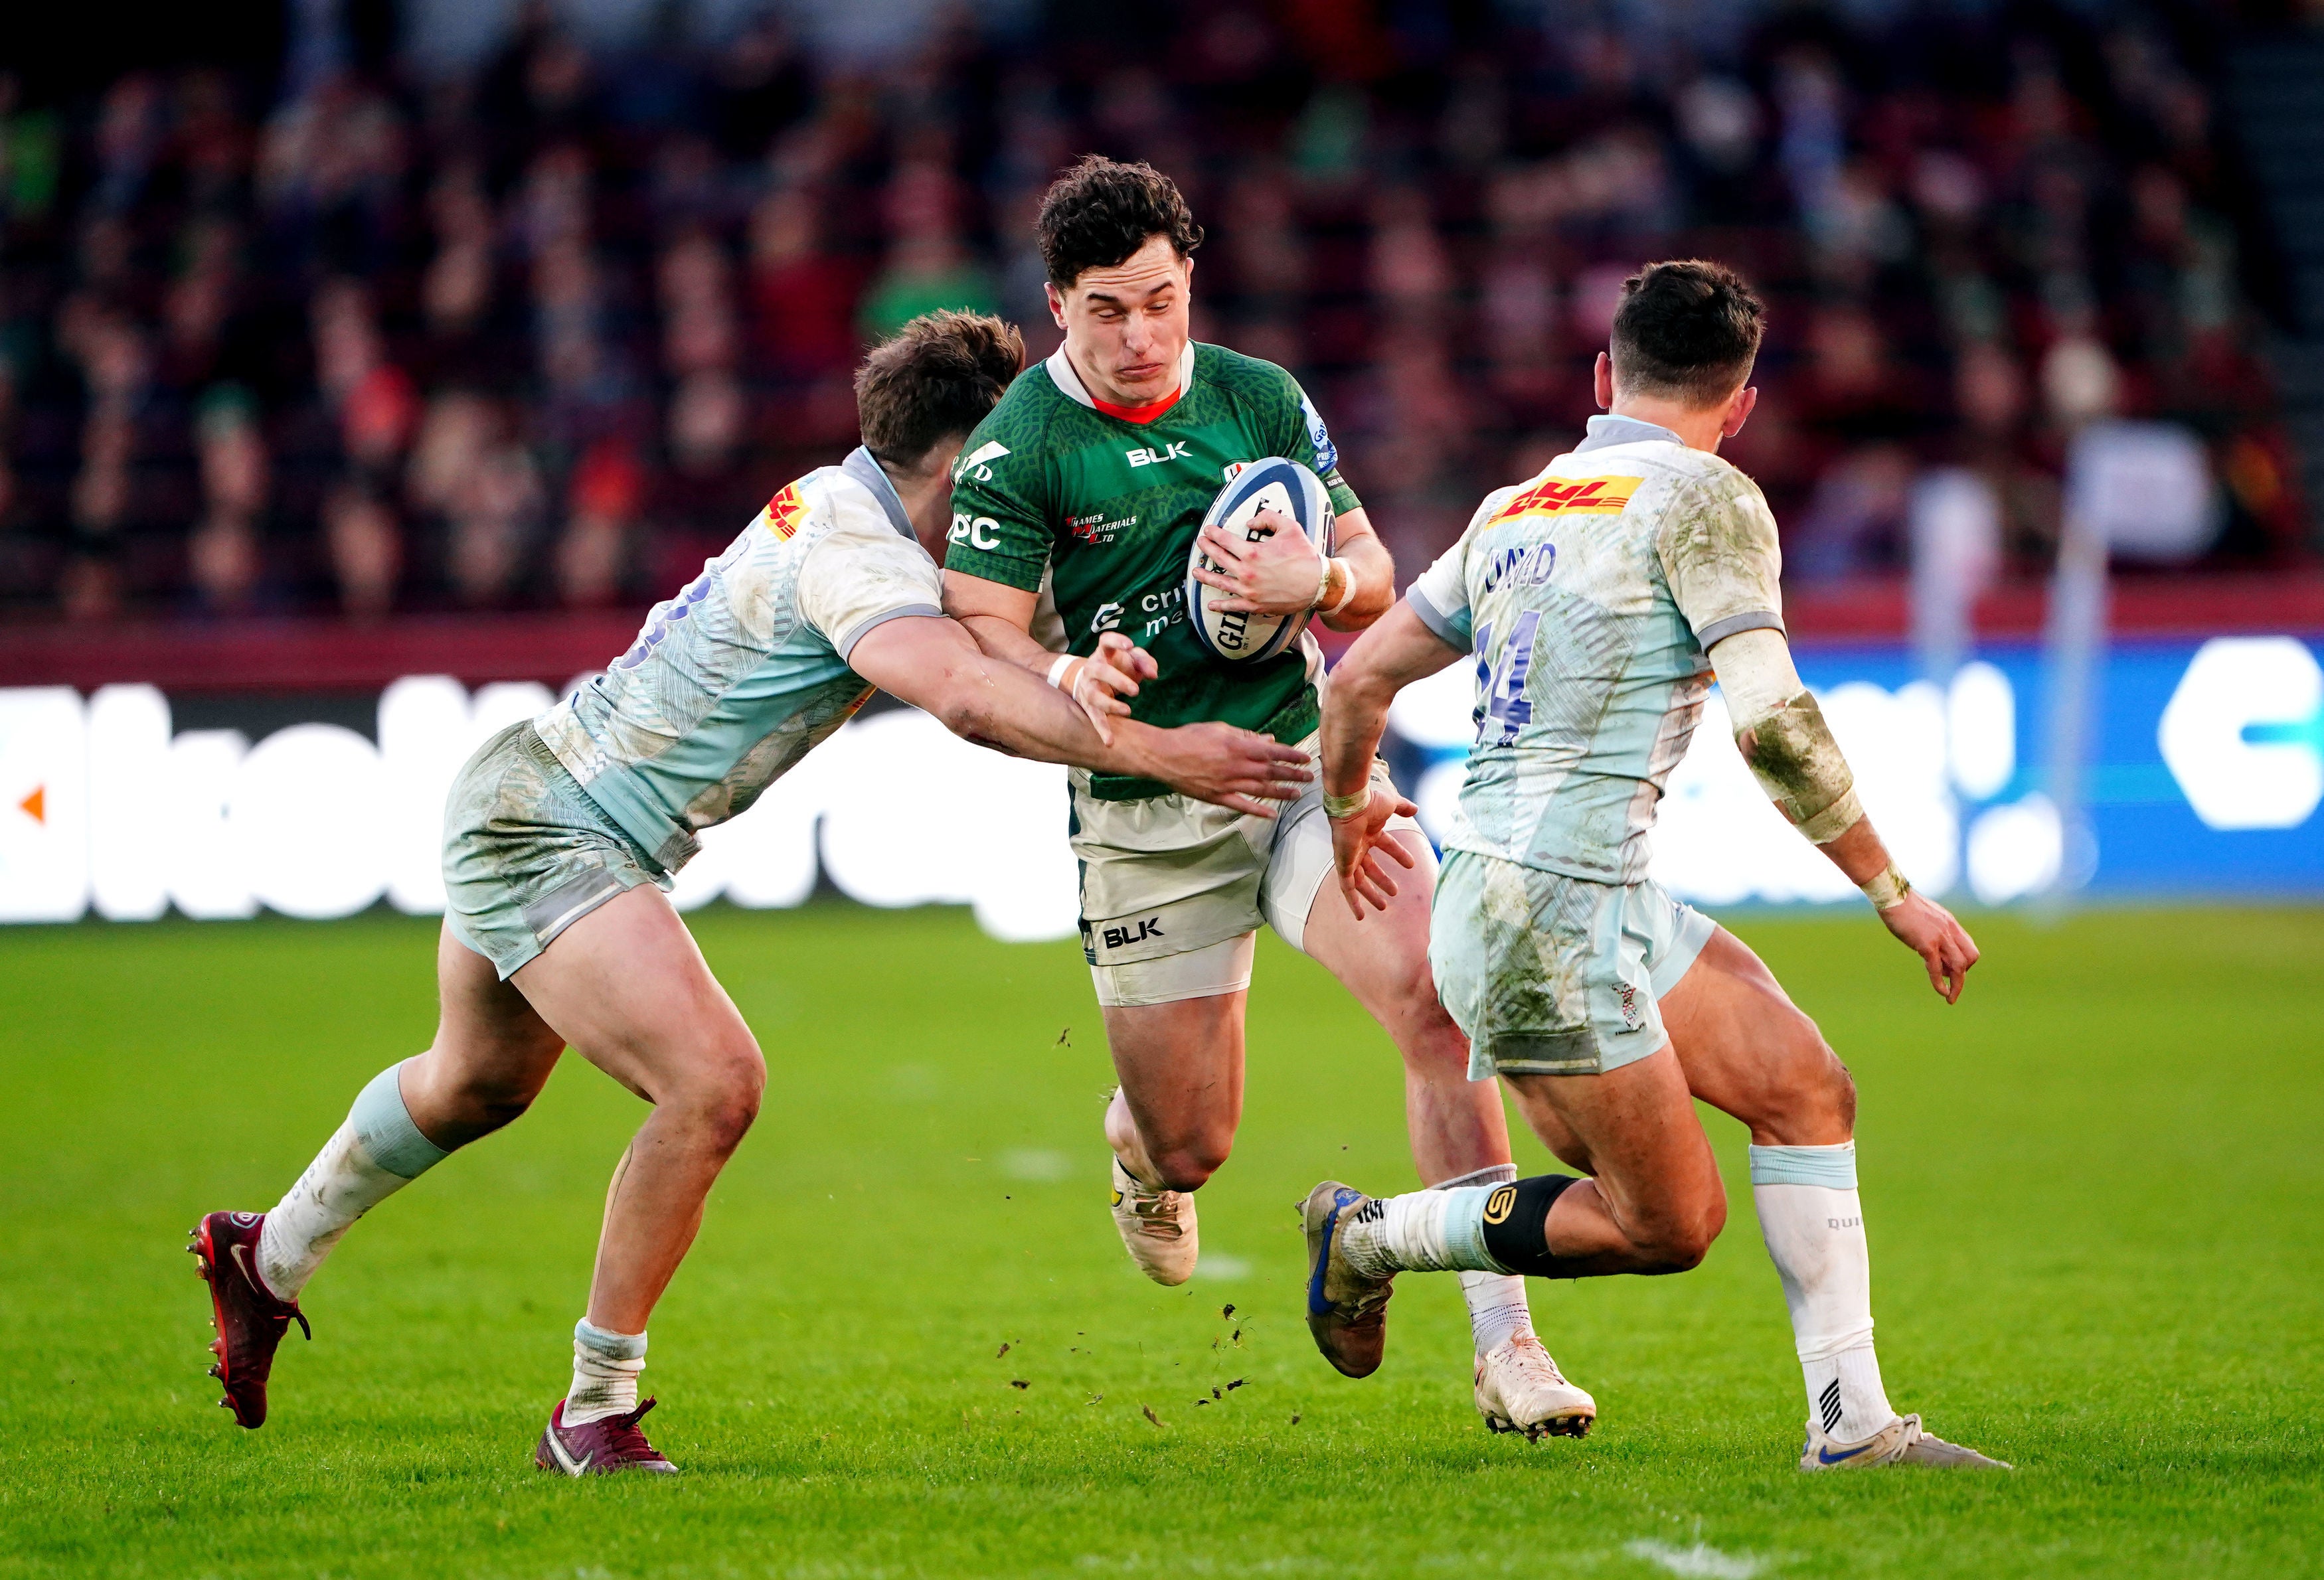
(1347, 1310)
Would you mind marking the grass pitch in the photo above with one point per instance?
(2095, 1193)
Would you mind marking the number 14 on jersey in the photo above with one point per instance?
(1501, 707)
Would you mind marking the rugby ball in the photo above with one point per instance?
(1272, 485)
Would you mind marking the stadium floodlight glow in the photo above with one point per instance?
(2244, 732)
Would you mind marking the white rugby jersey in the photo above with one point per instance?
(746, 672)
(1587, 595)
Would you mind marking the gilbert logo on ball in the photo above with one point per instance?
(1275, 484)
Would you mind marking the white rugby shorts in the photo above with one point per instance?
(1175, 889)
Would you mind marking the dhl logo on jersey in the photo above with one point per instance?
(784, 512)
(1572, 496)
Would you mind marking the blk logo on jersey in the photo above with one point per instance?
(1148, 457)
(1122, 936)
(1573, 496)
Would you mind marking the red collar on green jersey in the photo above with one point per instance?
(1145, 413)
(1061, 374)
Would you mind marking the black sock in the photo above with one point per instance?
(1517, 1225)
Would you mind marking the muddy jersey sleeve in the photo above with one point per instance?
(1000, 529)
(863, 574)
(1720, 556)
(1440, 594)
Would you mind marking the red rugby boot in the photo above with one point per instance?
(249, 1320)
(604, 1447)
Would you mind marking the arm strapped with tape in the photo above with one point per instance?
(1783, 736)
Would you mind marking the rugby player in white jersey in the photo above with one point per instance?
(562, 833)
(1598, 600)
(1089, 482)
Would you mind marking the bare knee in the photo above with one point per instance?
(1824, 1092)
(456, 1095)
(491, 1104)
(720, 1099)
(1804, 1096)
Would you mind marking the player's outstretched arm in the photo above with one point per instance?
(1782, 735)
(1393, 653)
(934, 664)
(1001, 619)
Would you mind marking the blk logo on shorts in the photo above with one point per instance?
(1121, 937)
(1501, 1204)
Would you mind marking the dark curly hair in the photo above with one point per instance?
(934, 380)
(1099, 212)
(1687, 330)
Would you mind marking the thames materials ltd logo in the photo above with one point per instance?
(1502, 1202)
(1095, 530)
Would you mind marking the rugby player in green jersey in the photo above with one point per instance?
(561, 834)
(1086, 487)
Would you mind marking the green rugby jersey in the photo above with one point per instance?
(1110, 508)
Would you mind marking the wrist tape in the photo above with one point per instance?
(1886, 888)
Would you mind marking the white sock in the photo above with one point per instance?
(374, 1154)
(1421, 1231)
(1498, 1311)
(606, 1367)
(1814, 1223)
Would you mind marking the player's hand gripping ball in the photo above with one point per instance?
(1272, 485)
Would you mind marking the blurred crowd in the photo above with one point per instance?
(547, 331)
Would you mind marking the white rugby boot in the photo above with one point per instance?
(1519, 1389)
(1900, 1442)
(1157, 1226)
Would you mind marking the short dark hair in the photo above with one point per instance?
(934, 380)
(1099, 212)
(1687, 330)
